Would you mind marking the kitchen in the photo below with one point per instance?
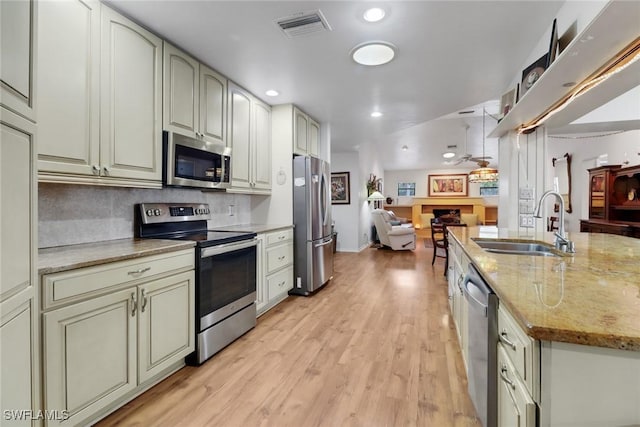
(71, 214)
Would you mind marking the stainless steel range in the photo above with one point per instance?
(225, 272)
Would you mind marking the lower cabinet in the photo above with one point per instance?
(275, 268)
(102, 350)
(515, 406)
(458, 267)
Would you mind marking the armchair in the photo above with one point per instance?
(397, 237)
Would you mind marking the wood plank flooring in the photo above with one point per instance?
(375, 347)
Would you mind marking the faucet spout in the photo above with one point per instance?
(561, 237)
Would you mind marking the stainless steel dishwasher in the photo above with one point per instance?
(482, 346)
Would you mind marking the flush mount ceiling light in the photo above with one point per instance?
(272, 92)
(376, 114)
(373, 53)
(405, 148)
(374, 14)
(449, 155)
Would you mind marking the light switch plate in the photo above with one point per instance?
(527, 221)
(526, 193)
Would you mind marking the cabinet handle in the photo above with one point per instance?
(144, 301)
(281, 284)
(280, 258)
(503, 338)
(281, 237)
(139, 271)
(505, 378)
(133, 304)
(96, 169)
(106, 170)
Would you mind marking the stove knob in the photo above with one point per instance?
(207, 211)
(157, 212)
(149, 212)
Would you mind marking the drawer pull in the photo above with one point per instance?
(505, 378)
(281, 237)
(133, 304)
(281, 284)
(139, 271)
(280, 258)
(503, 338)
(144, 301)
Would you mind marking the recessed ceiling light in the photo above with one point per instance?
(373, 53)
(376, 114)
(374, 14)
(449, 155)
(272, 92)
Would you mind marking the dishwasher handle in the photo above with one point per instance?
(475, 290)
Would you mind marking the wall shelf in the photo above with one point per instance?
(615, 27)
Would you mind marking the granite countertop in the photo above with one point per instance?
(590, 298)
(254, 228)
(62, 258)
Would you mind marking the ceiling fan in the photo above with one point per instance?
(466, 157)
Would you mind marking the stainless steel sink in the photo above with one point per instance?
(517, 248)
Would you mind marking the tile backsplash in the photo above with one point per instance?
(72, 214)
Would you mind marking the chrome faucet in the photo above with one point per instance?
(562, 242)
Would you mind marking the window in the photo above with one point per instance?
(406, 189)
(489, 188)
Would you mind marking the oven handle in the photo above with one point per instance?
(227, 247)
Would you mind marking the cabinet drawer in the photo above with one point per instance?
(280, 282)
(519, 347)
(515, 406)
(76, 284)
(279, 237)
(279, 256)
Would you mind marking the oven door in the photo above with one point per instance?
(190, 162)
(226, 280)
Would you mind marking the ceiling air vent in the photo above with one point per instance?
(303, 23)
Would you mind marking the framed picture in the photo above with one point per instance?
(340, 193)
(532, 73)
(553, 44)
(507, 101)
(447, 185)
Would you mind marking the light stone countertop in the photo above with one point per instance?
(253, 228)
(590, 298)
(62, 258)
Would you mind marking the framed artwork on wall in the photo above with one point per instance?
(447, 185)
(340, 194)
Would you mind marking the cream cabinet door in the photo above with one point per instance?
(300, 132)
(131, 100)
(16, 392)
(213, 105)
(261, 146)
(166, 323)
(239, 138)
(90, 350)
(314, 138)
(515, 406)
(16, 183)
(181, 91)
(17, 49)
(68, 87)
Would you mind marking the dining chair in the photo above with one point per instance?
(439, 240)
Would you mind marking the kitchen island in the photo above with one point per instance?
(568, 327)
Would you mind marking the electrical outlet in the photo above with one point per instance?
(232, 210)
(527, 221)
(526, 206)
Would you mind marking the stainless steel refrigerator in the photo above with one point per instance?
(313, 242)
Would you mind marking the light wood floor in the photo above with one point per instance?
(375, 347)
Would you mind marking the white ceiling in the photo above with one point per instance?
(451, 55)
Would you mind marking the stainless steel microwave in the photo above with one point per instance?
(190, 162)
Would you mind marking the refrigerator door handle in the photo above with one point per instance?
(323, 198)
(324, 244)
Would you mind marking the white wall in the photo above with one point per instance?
(584, 152)
(345, 217)
(420, 177)
(369, 163)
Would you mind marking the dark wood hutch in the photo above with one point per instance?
(614, 201)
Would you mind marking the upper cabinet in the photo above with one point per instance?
(306, 133)
(107, 73)
(17, 53)
(609, 33)
(250, 142)
(194, 97)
